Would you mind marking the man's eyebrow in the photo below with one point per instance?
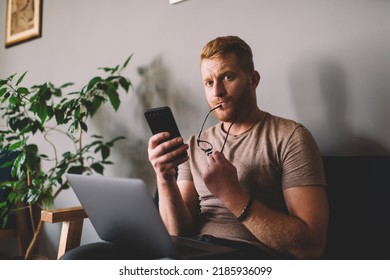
(219, 75)
(227, 72)
(224, 69)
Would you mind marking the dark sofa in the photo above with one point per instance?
(359, 200)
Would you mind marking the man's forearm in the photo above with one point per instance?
(285, 233)
(173, 210)
(301, 233)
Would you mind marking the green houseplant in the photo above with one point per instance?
(36, 113)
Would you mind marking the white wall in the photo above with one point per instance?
(323, 63)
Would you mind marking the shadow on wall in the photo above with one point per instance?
(320, 92)
(156, 88)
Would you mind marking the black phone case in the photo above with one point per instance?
(161, 119)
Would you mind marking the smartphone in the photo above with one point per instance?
(161, 119)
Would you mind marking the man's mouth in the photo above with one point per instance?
(220, 104)
(217, 106)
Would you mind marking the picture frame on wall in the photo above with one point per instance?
(23, 21)
(175, 1)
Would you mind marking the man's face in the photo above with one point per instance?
(227, 84)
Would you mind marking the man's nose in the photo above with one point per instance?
(219, 89)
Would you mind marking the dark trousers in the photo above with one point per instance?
(110, 251)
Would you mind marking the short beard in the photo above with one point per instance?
(240, 107)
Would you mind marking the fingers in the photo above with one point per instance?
(163, 159)
(158, 138)
(216, 157)
(178, 155)
(165, 153)
(161, 145)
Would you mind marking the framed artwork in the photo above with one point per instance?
(23, 21)
(175, 1)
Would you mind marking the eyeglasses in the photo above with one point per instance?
(206, 146)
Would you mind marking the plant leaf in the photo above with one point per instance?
(21, 78)
(73, 127)
(114, 99)
(76, 169)
(15, 146)
(13, 100)
(98, 168)
(18, 165)
(3, 82)
(59, 115)
(22, 90)
(84, 126)
(105, 152)
(32, 148)
(66, 85)
(127, 61)
(93, 82)
(124, 65)
(42, 112)
(2, 91)
(111, 143)
(125, 84)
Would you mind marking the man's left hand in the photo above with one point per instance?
(221, 177)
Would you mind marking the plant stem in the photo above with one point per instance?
(30, 208)
(81, 140)
(33, 242)
(54, 151)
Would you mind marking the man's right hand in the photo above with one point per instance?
(164, 155)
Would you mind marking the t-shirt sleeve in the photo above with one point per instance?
(184, 172)
(302, 161)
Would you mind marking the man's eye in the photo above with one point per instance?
(208, 84)
(228, 77)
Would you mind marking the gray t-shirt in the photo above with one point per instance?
(273, 155)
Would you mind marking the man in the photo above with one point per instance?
(253, 179)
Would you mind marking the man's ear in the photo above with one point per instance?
(255, 79)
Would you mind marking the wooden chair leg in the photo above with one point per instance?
(70, 236)
(72, 220)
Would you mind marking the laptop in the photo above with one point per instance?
(123, 212)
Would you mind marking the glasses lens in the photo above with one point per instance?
(204, 145)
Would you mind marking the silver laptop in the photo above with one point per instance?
(123, 212)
